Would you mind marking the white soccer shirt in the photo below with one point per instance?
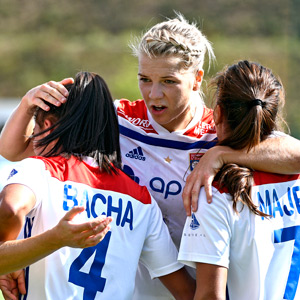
(262, 254)
(107, 270)
(161, 160)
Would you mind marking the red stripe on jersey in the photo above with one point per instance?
(75, 170)
(136, 113)
(261, 178)
(205, 126)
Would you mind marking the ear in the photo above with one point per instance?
(198, 80)
(218, 114)
(47, 123)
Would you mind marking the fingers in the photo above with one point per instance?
(51, 92)
(97, 238)
(95, 227)
(69, 216)
(195, 194)
(8, 295)
(8, 288)
(65, 81)
(208, 191)
(186, 198)
(21, 282)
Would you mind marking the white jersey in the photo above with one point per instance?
(107, 270)
(161, 160)
(262, 255)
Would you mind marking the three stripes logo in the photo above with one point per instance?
(136, 153)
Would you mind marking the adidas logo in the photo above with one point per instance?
(194, 224)
(136, 153)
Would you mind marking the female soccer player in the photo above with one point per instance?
(164, 135)
(79, 165)
(249, 235)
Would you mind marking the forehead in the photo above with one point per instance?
(161, 66)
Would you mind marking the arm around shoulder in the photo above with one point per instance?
(279, 154)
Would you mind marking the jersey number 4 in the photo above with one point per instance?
(92, 282)
(284, 235)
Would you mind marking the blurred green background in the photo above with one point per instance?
(44, 40)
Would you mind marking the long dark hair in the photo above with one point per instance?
(250, 97)
(86, 125)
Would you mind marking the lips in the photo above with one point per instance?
(158, 107)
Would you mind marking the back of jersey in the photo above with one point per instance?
(107, 270)
(265, 253)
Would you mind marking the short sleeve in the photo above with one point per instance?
(31, 173)
(159, 254)
(206, 234)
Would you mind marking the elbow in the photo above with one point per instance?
(11, 222)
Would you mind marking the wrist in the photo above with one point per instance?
(52, 239)
(229, 155)
(25, 108)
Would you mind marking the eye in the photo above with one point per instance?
(169, 81)
(144, 79)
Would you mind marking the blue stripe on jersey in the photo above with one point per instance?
(27, 233)
(166, 143)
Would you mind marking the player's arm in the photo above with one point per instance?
(181, 285)
(21, 253)
(16, 200)
(15, 137)
(277, 155)
(211, 282)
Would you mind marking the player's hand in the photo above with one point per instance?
(70, 233)
(51, 92)
(12, 285)
(202, 175)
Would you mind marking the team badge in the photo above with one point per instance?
(194, 159)
(12, 173)
(194, 224)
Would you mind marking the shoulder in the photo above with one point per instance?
(131, 108)
(205, 125)
(133, 116)
(27, 166)
(264, 178)
(125, 185)
(75, 170)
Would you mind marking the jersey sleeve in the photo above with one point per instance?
(159, 253)
(31, 173)
(206, 234)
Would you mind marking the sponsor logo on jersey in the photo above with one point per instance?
(12, 173)
(194, 224)
(203, 129)
(194, 159)
(136, 153)
(128, 171)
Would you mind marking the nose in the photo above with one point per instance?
(156, 91)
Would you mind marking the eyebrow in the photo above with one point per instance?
(164, 77)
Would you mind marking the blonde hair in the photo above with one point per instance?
(175, 37)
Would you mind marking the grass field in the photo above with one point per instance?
(1, 297)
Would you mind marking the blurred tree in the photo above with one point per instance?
(51, 39)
